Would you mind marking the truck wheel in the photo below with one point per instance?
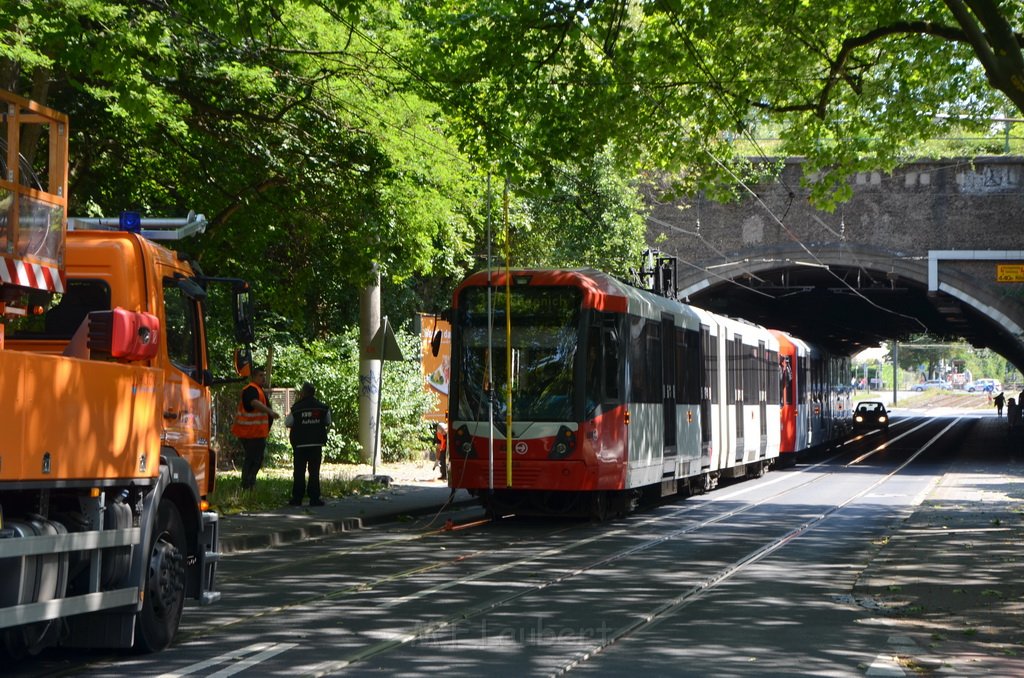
(164, 596)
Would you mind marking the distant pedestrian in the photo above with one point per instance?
(1012, 413)
(441, 447)
(999, 400)
(308, 421)
(252, 426)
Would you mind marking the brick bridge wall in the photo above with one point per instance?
(891, 224)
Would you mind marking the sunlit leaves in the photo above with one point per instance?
(289, 124)
(850, 84)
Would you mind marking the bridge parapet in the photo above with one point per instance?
(967, 203)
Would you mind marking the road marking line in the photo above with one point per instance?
(264, 650)
(885, 666)
(272, 651)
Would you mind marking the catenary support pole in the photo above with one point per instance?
(369, 369)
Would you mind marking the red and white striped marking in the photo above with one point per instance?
(35, 276)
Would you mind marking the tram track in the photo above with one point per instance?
(411, 635)
(432, 629)
(694, 593)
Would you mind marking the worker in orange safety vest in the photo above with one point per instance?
(252, 426)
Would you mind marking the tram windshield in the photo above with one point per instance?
(545, 331)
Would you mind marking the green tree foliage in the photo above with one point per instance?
(926, 357)
(332, 365)
(580, 214)
(676, 82)
(288, 123)
(302, 130)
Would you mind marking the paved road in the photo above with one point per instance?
(765, 577)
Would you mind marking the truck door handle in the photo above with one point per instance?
(170, 415)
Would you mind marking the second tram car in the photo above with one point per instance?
(616, 392)
(816, 405)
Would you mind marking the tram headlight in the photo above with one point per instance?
(565, 443)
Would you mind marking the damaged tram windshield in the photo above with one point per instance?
(545, 332)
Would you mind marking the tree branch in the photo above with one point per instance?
(240, 200)
(997, 45)
(1004, 64)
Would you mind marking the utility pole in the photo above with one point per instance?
(895, 369)
(369, 370)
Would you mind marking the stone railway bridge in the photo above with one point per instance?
(920, 250)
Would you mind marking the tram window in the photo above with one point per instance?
(636, 359)
(654, 379)
(786, 377)
(688, 366)
(602, 365)
(752, 379)
(645, 361)
(610, 359)
(801, 378)
(733, 371)
(770, 371)
(709, 344)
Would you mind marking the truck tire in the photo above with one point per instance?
(164, 597)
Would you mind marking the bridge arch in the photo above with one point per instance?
(913, 250)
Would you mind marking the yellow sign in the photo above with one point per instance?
(1012, 273)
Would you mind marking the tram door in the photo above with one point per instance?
(708, 392)
(762, 394)
(668, 380)
(737, 390)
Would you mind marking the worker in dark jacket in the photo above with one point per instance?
(308, 421)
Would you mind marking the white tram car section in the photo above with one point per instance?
(657, 458)
(748, 416)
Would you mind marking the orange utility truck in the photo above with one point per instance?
(105, 411)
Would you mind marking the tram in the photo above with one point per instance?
(574, 393)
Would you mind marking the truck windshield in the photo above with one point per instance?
(545, 331)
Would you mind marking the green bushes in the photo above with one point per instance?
(332, 365)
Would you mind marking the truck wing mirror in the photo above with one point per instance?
(243, 362)
(435, 341)
(245, 331)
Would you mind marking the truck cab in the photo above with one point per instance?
(105, 378)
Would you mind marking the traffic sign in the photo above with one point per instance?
(1011, 273)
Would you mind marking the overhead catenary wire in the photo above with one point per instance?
(714, 158)
(711, 78)
(811, 254)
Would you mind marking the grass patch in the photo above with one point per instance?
(274, 489)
